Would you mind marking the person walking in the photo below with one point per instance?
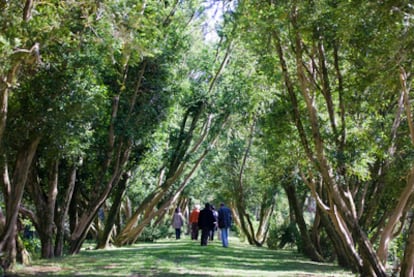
(194, 222)
(177, 222)
(206, 223)
(215, 213)
(224, 223)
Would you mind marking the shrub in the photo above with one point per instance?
(280, 236)
(151, 234)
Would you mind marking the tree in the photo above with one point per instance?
(199, 128)
(139, 100)
(22, 41)
(317, 79)
(241, 168)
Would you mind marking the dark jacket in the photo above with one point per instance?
(206, 219)
(224, 217)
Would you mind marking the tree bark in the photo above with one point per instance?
(394, 219)
(345, 258)
(15, 190)
(309, 248)
(105, 235)
(407, 264)
(81, 229)
(266, 211)
(63, 211)
(45, 202)
(7, 81)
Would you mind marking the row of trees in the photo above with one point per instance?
(115, 111)
(87, 88)
(344, 73)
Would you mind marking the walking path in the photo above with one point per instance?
(184, 258)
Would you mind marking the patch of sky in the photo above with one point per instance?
(214, 10)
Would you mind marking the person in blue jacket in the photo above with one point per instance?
(224, 223)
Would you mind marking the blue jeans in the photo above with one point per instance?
(225, 236)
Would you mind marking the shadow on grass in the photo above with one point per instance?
(182, 258)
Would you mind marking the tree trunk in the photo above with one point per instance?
(175, 170)
(81, 230)
(63, 211)
(266, 211)
(4, 98)
(15, 190)
(239, 192)
(372, 266)
(73, 209)
(340, 195)
(105, 235)
(19, 57)
(407, 264)
(130, 230)
(309, 248)
(245, 225)
(395, 217)
(345, 257)
(407, 267)
(48, 221)
(130, 235)
(315, 234)
(45, 208)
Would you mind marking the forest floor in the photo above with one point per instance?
(182, 258)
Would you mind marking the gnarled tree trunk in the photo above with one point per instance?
(45, 202)
(14, 189)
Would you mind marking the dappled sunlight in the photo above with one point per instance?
(184, 258)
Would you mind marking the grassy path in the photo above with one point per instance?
(182, 258)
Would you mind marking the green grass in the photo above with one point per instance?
(183, 258)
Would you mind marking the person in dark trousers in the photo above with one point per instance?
(224, 223)
(177, 222)
(194, 222)
(215, 213)
(206, 223)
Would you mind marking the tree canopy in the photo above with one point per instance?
(113, 113)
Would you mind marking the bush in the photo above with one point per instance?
(280, 236)
(151, 234)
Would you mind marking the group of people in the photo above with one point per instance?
(208, 220)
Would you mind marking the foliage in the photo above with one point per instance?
(283, 235)
(151, 59)
(155, 233)
(30, 240)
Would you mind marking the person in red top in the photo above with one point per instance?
(194, 222)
